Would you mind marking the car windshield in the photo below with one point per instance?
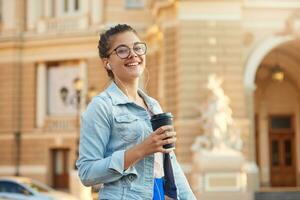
(37, 186)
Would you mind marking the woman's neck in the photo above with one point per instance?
(128, 88)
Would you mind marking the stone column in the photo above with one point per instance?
(9, 14)
(32, 15)
(297, 136)
(41, 95)
(251, 137)
(45, 14)
(251, 168)
(47, 8)
(97, 11)
(264, 144)
(84, 9)
(84, 6)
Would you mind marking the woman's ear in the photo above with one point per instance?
(106, 64)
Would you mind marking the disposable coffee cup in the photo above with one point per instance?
(162, 119)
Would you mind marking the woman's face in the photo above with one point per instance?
(126, 68)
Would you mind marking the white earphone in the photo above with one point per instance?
(108, 66)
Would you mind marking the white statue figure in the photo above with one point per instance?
(216, 120)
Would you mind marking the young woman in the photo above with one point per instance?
(117, 144)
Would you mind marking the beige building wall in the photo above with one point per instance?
(28, 96)
(8, 96)
(115, 11)
(209, 42)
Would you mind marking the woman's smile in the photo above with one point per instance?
(134, 66)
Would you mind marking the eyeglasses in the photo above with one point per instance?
(123, 51)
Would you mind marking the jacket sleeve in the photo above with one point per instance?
(184, 190)
(93, 166)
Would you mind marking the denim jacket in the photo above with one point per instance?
(112, 124)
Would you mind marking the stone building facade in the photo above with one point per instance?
(246, 42)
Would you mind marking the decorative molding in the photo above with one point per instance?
(40, 135)
(292, 25)
(224, 11)
(24, 169)
(272, 4)
(41, 89)
(238, 181)
(60, 57)
(207, 16)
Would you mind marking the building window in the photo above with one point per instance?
(66, 6)
(134, 4)
(70, 7)
(281, 122)
(76, 5)
(61, 92)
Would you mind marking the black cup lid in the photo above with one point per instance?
(161, 116)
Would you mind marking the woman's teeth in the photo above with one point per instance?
(132, 64)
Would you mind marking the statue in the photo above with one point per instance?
(217, 155)
(217, 121)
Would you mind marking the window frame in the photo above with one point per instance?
(68, 7)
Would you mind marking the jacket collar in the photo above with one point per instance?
(118, 97)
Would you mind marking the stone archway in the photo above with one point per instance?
(257, 56)
(251, 68)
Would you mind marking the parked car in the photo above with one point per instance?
(23, 188)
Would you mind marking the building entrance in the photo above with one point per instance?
(282, 151)
(60, 172)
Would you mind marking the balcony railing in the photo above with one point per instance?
(61, 124)
(63, 24)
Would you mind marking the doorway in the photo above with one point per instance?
(282, 151)
(60, 168)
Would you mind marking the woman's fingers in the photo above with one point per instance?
(163, 129)
(167, 134)
(162, 136)
(169, 140)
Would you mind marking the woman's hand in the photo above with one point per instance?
(152, 144)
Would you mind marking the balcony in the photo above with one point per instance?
(61, 124)
(63, 24)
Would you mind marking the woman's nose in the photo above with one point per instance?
(132, 53)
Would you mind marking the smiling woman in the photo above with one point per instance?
(117, 144)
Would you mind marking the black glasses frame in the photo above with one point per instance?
(123, 45)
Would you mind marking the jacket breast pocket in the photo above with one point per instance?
(128, 127)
